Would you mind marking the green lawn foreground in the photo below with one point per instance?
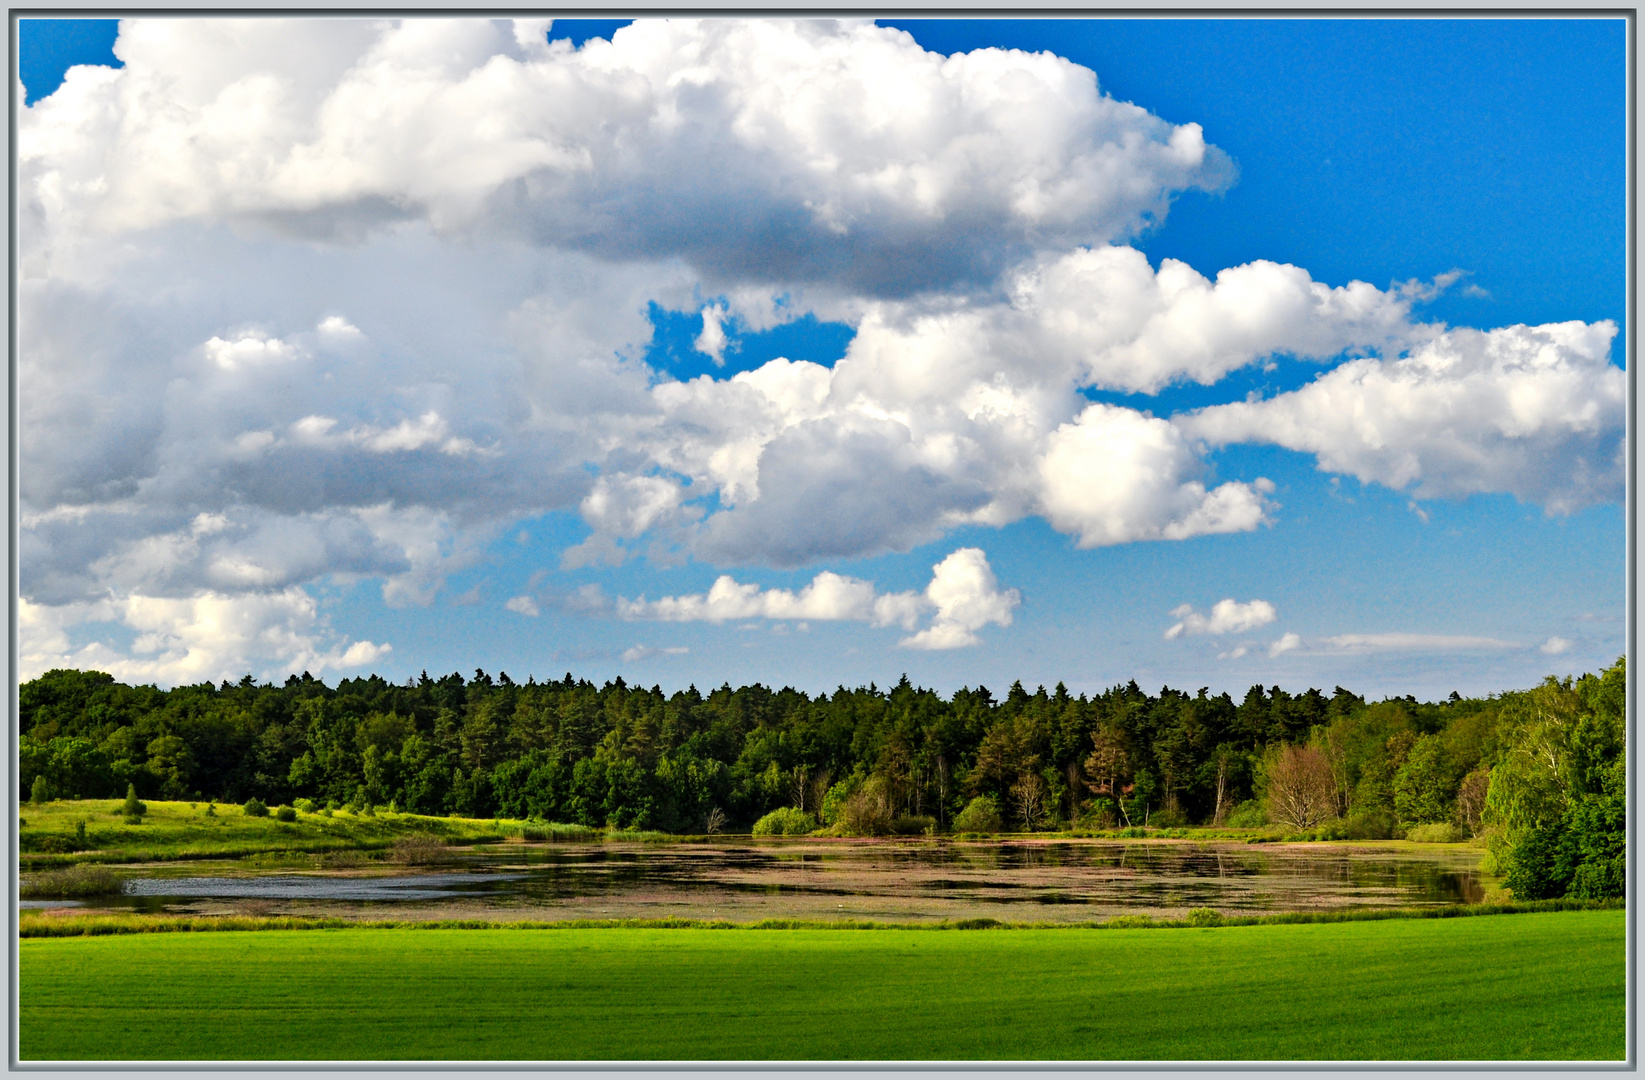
(1531, 986)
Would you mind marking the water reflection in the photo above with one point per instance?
(1063, 881)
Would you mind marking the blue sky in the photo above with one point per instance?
(401, 401)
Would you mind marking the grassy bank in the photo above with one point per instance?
(180, 830)
(35, 923)
(1531, 986)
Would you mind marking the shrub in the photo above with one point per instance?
(41, 792)
(785, 821)
(1441, 833)
(868, 811)
(420, 849)
(82, 879)
(51, 845)
(1129, 922)
(1247, 815)
(1167, 819)
(254, 808)
(285, 813)
(914, 825)
(1335, 829)
(558, 834)
(1204, 916)
(305, 805)
(133, 808)
(1370, 825)
(80, 842)
(980, 815)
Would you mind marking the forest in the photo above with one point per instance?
(1537, 775)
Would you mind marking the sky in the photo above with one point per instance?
(1201, 353)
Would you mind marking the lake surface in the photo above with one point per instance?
(904, 881)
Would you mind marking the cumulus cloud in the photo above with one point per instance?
(202, 638)
(361, 295)
(523, 605)
(967, 598)
(712, 340)
(1555, 646)
(1228, 616)
(963, 597)
(1538, 411)
(798, 150)
(1285, 643)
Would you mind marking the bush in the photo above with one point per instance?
(133, 809)
(1167, 819)
(1441, 833)
(981, 815)
(548, 832)
(285, 813)
(1247, 815)
(1335, 829)
(868, 811)
(82, 879)
(1130, 922)
(1370, 825)
(420, 849)
(307, 806)
(786, 821)
(41, 792)
(254, 808)
(1204, 916)
(914, 825)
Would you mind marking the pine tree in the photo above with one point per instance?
(134, 809)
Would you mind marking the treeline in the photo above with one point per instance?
(1540, 772)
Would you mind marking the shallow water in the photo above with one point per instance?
(1031, 880)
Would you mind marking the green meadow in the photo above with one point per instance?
(202, 830)
(1527, 986)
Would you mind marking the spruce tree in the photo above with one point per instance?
(133, 808)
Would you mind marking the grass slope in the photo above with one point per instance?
(180, 830)
(1537, 986)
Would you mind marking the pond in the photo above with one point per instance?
(902, 881)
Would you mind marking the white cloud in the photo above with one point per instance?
(524, 605)
(829, 597)
(1227, 616)
(963, 597)
(1361, 643)
(1284, 643)
(202, 638)
(712, 340)
(637, 653)
(1114, 476)
(1538, 411)
(967, 598)
(862, 153)
(1555, 646)
(495, 216)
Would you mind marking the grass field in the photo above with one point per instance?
(180, 830)
(1532, 986)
